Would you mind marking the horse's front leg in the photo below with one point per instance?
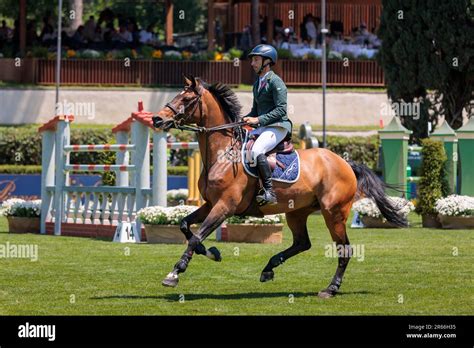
(216, 216)
(198, 216)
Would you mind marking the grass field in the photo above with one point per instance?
(410, 271)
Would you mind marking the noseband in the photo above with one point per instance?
(196, 101)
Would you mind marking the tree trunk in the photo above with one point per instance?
(255, 23)
(75, 14)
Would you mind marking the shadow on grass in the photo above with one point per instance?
(236, 296)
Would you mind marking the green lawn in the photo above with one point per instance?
(415, 263)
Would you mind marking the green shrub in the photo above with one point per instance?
(333, 55)
(19, 169)
(20, 145)
(358, 149)
(235, 53)
(36, 169)
(284, 53)
(348, 54)
(147, 51)
(39, 52)
(178, 170)
(431, 186)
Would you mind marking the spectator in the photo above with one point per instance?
(47, 25)
(123, 38)
(5, 32)
(277, 27)
(281, 41)
(337, 29)
(109, 34)
(319, 36)
(218, 32)
(97, 36)
(147, 36)
(304, 32)
(246, 43)
(312, 31)
(132, 28)
(31, 36)
(90, 29)
(78, 40)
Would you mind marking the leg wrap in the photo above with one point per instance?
(200, 249)
(182, 264)
(185, 229)
(277, 260)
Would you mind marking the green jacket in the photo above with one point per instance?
(270, 103)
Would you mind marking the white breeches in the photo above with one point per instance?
(269, 138)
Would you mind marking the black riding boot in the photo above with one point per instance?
(265, 173)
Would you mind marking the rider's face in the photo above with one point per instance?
(256, 63)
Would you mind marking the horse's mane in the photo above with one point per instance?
(227, 98)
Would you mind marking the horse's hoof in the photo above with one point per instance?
(214, 254)
(266, 276)
(326, 293)
(171, 280)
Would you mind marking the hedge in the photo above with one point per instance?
(358, 149)
(36, 169)
(433, 184)
(20, 146)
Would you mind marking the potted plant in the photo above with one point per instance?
(162, 223)
(267, 229)
(23, 216)
(372, 217)
(456, 212)
(432, 185)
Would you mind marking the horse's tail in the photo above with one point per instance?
(372, 187)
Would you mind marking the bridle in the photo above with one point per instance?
(197, 102)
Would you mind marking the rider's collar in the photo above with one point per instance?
(265, 76)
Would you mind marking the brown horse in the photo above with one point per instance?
(326, 182)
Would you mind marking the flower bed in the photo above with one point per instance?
(23, 216)
(267, 229)
(456, 212)
(162, 223)
(372, 217)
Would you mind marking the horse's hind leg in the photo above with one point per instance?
(297, 223)
(335, 219)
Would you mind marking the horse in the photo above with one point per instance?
(327, 182)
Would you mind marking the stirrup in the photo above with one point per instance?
(264, 197)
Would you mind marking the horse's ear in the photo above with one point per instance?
(189, 80)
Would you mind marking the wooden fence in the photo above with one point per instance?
(363, 73)
(140, 72)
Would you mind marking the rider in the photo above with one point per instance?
(268, 115)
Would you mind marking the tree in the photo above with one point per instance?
(401, 33)
(427, 57)
(255, 22)
(76, 20)
(449, 68)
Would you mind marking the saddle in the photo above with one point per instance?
(284, 147)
